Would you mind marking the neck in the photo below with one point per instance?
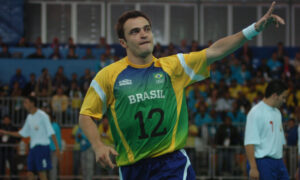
(139, 60)
(269, 102)
(33, 110)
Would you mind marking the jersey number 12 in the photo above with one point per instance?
(154, 133)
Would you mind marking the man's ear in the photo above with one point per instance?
(123, 43)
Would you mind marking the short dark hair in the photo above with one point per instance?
(124, 17)
(32, 99)
(275, 86)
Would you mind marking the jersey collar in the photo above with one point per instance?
(138, 65)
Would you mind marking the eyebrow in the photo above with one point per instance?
(138, 28)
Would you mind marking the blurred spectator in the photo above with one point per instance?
(264, 69)
(235, 66)
(280, 51)
(296, 62)
(275, 66)
(86, 155)
(215, 74)
(251, 92)
(183, 48)
(44, 83)
(38, 42)
(74, 78)
(18, 77)
(71, 44)
(243, 75)
(171, 50)
(7, 149)
(71, 54)
(16, 91)
(236, 115)
(109, 53)
(222, 86)
(234, 88)
(85, 80)
(224, 103)
(76, 98)
(202, 116)
(60, 79)
(56, 54)
(195, 46)
(228, 76)
(76, 150)
(59, 104)
(5, 53)
(106, 137)
(158, 51)
(88, 54)
(104, 61)
(1, 41)
(102, 43)
(227, 135)
(54, 159)
(55, 43)
(243, 103)
(30, 86)
(212, 99)
(287, 69)
(37, 55)
(22, 42)
(291, 133)
(245, 53)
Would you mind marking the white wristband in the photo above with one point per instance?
(250, 32)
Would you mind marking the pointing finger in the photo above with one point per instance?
(271, 9)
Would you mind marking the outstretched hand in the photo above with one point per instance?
(103, 156)
(268, 19)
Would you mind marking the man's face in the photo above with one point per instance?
(138, 37)
(27, 104)
(6, 121)
(281, 98)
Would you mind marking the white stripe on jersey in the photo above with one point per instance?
(100, 93)
(188, 70)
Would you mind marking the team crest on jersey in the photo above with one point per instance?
(159, 78)
(158, 75)
(125, 82)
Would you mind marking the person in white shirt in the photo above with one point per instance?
(38, 127)
(264, 136)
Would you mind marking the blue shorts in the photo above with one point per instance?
(39, 159)
(270, 168)
(172, 166)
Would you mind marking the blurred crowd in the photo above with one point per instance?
(217, 106)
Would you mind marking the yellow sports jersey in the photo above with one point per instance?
(145, 104)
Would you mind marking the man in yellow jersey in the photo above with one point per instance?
(144, 99)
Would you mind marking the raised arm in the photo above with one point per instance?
(102, 151)
(229, 44)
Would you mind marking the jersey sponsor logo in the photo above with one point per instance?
(125, 82)
(139, 97)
